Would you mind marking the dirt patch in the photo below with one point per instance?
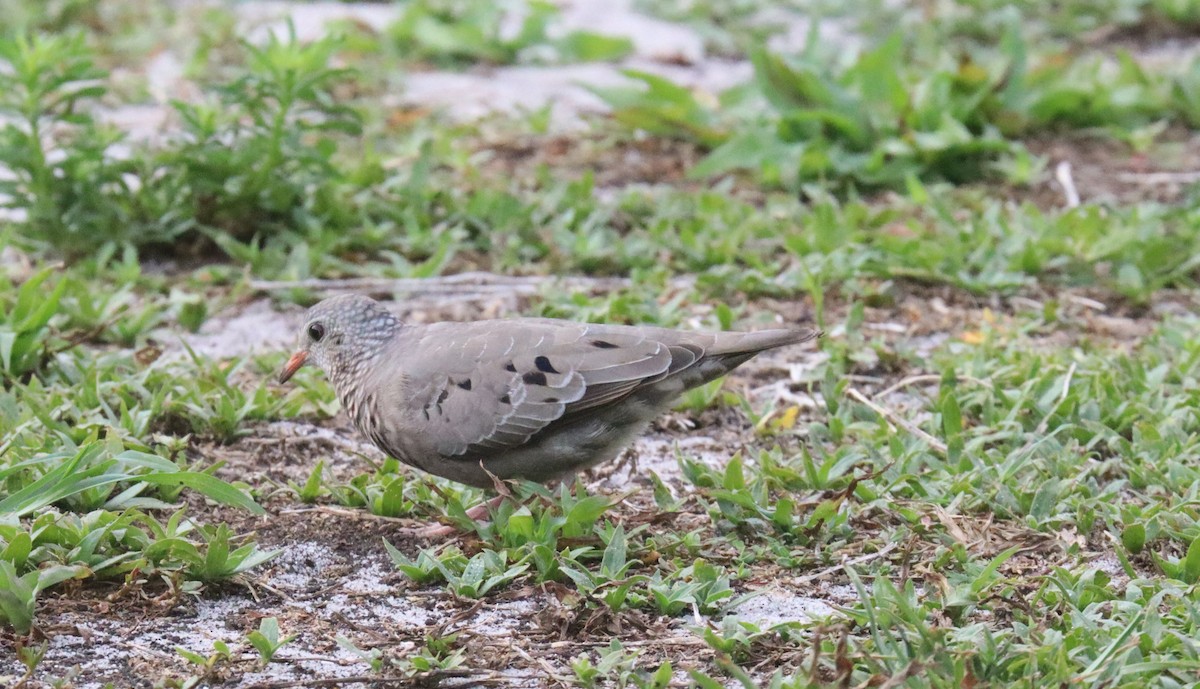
(1106, 171)
(613, 164)
(333, 582)
(775, 607)
(254, 327)
(1156, 41)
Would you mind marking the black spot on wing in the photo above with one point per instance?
(534, 378)
(543, 364)
(510, 367)
(505, 400)
(465, 384)
(603, 344)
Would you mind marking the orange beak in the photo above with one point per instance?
(293, 365)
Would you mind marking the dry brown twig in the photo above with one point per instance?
(895, 419)
(926, 378)
(480, 283)
(541, 664)
(844, 564)
(342, 512)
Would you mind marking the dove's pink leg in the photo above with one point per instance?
(442, 530)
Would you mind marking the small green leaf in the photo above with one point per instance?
(984, 578)
(18, 549)
(588, 510)
(1191, 563)
(613, 563)
(782, 515)
(191, 656)
(211, 487)
(662, 676)
(735, 478)
(1133, 537)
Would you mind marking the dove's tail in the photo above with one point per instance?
(728, 350)
(751, 343)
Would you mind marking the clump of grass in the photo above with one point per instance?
(66, 180)
(85, 505)
(895, 113)
(25, 336)
(456, 33)
(255, 161)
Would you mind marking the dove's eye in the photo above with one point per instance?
(316, 331)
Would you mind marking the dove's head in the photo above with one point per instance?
(341, 334)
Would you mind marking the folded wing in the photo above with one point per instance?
(489, 386)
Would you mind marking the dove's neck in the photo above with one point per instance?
(351, 370)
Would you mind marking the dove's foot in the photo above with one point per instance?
(477, 512)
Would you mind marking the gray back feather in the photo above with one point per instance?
(481, 388)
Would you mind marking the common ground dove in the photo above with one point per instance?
(525, 398)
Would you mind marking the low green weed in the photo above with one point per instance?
(215, 404)
(254, 161)
(701, 586)
(266, 639)
(18, 593)
(25, 325)
(468, 578)
(258, 160)
(1108, 638)
(454, 33)
(435, 655)
(619, 667)
(870, 123)
(207, 665)
(777, 498)
(520, 537)
(549, 537)
(65, 178)
(54, 547)
(393, 491)
(659, 106)
(214, 559)
(79, 510)
(86, 477)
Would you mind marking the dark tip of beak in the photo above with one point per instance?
(292, 365)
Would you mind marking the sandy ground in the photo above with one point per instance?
(333, 578)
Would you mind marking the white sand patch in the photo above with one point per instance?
(671, 50)
(780, 607)
(346, 441)
(255, 328)
(369, 579)
(292, 663)
(505, 617)
(301, 565)
(521, 89)
(259, 20)
(661, 453)
(843, 594)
